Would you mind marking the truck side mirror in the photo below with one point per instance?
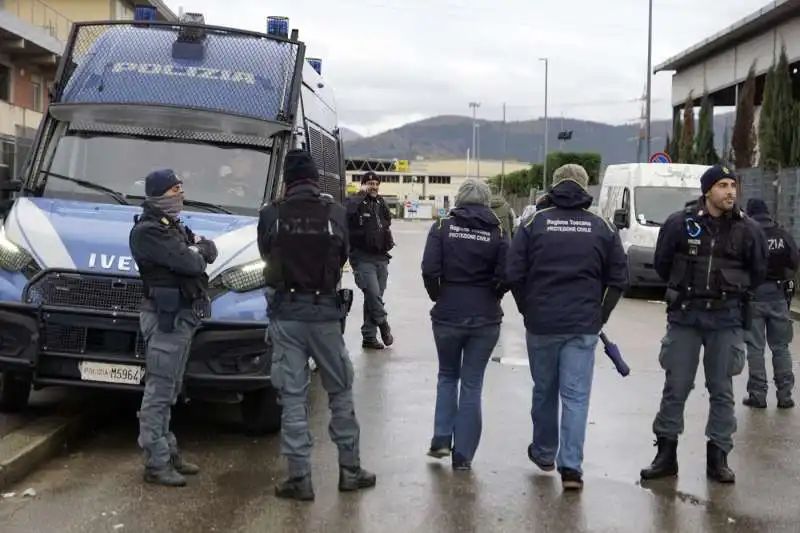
(621, 219)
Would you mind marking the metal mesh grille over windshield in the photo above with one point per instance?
(202, 136)
(226, 70)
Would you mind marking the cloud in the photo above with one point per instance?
(391, 62)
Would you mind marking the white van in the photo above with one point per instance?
(637, 198)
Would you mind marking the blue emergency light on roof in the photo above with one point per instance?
(144, 12)
(278, 26)
(316, 64)
(189, 44)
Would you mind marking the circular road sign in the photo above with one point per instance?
(660, 157)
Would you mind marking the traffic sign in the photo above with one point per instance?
(660, 157)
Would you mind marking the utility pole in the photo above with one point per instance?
(478, 151)
(649, 72)
(546, 130)
(474, 106)
(505, 142)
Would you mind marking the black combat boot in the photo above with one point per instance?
(755, 403)
(386, 333)
(355, 478)
(166, 476)
(184, 467)
(372, 344)
(785, 403)
(717, 464)
(665, 463)
(296, 488)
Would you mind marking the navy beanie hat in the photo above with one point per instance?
(756, 206)
(713, 175)
(299, 166)
(158, 182)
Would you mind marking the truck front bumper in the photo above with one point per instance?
(56, 345)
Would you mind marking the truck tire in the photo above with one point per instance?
(15, 390)
(261, 412)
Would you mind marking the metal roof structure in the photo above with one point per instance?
(759, 22)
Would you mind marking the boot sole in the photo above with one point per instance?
(572, 485)
(660, 475)
(357, 487)
(721, 481)
(439, 454)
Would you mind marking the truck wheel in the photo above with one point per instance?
(261, 412)
(15, 391)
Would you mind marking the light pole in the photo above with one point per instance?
(475, 106)
(649, 72)
(546, 130)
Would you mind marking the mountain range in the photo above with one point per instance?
(449, 137)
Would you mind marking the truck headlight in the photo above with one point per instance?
(245, 278)
(14, 258)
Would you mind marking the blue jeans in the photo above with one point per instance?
(560, 365)
(463, 356)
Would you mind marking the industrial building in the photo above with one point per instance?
(721, 62)
(425, 180)
(33, 34)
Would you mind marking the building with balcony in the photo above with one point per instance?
(33, 34)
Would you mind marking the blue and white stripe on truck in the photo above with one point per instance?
(93, 237)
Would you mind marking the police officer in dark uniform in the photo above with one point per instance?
(712, 256)
(772, 323)
(303, 240)
(172, 263)
(369, 224)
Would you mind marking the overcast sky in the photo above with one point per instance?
(395, 61)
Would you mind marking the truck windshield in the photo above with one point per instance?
(233, 178)
(653, 205)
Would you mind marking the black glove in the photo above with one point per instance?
(207, 249)
(500, 290)
(433, 287)
(610, 302)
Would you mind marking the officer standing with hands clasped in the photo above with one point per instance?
(772, 323)
(304, 243)
(369, 225)
(172, 263)
(712, 256)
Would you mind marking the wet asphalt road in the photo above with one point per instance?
(98, 488)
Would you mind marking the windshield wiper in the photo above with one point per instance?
(89, 185)
(208, 206)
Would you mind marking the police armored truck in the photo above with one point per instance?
(219, 106)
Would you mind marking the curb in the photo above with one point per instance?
(25, 448)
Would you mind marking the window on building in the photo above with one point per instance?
(7, 153)
(36, 89)
(5, 83)
(408, 179)
(122, 10)
(439, 180)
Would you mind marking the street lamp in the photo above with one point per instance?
(475, 106)
(546, 130)
(649, 71)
